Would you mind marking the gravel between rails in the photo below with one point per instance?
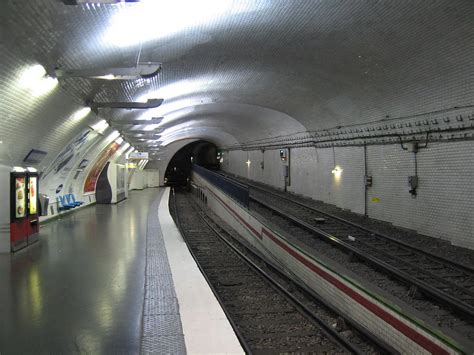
(440, 315)
(254, 304)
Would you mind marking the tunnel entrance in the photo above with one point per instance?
(202, 153)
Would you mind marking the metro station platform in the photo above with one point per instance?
(110, 279)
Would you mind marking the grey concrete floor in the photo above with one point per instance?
(80, 289)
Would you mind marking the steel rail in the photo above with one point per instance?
(310, 315)
(296, 302)
(239, 335)
(330, 332)
(425, 287)
(465, 268)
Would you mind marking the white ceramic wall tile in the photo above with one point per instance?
(444, 204)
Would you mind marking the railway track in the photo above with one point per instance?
(266, 317)
(428, 276)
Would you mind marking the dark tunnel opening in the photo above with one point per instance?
(202, 153)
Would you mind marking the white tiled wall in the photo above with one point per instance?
(443, 207)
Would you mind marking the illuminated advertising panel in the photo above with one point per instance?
(32, 194)
(91, 180)
(20, 197)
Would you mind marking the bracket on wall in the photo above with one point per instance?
(151, 103)
(140, 71)
(133, 122)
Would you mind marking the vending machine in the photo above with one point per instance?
(19, 223)
(24, 220)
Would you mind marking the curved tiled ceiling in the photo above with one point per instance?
(234, 71)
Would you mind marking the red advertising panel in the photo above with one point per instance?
(89, 185)
(18, 211)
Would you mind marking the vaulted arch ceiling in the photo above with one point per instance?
(237, 70)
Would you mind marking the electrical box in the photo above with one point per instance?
(368, 180)
(412, 147)
(284, 154)
(413, 182)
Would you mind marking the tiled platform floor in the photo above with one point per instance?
(80, 289)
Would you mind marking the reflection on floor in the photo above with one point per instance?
(81, 288)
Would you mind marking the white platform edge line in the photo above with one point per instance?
(206, 328)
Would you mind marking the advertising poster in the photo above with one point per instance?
(91, 180)
(32, 194)
(59, 170)
(20, 197)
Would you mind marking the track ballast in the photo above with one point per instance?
(267, 318)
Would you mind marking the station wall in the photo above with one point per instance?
(443, 205)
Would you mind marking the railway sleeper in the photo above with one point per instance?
(281, 335)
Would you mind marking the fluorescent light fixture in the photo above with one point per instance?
(248, 162)
(31, 75)
(113, 135)
(125, 146)
(107, 77)
(80, 114)
(135, 24)
(119, 140)
(44, 86)
(35, 80)
(18, 169)
(31, 169)
(337, 171)
(150, 127)
(100, 126)
(179, 88)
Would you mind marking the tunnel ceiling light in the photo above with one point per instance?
(248, 162)
(112, 136)
(31, 74)
(36, 81)
(137, 24)
(100, 126)
(46, 85)
(140, 71)
(80, 114)
(151, 103)
(152, 127)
